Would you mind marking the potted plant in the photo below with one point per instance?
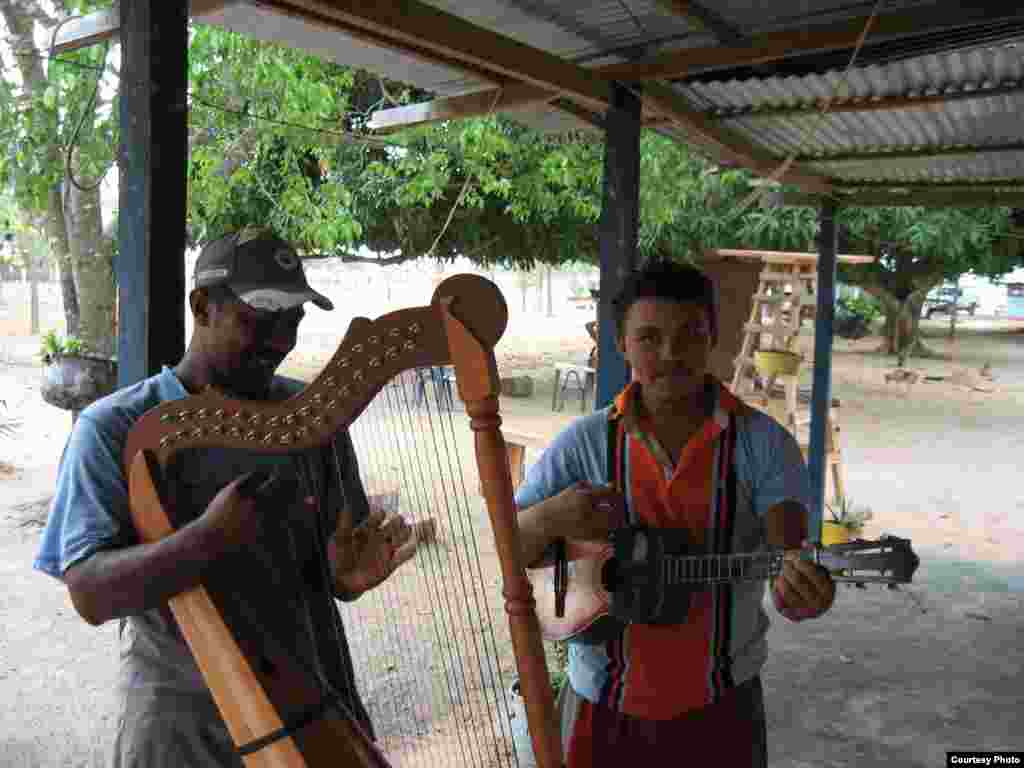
(72, 377)
(847, 521)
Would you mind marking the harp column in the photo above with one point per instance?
(619, 229)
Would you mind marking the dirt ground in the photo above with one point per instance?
(877, 682)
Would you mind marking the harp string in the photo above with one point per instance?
(415, 450)
(445, 621)
(470, 740)
(442, 611)
(394, 462)
(487, 659)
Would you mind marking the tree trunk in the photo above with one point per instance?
(60, 249)
(902, 328)
(92, 257)
(33, 314)
(19, 19)
(551, 300)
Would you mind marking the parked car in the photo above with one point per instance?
(945, 300)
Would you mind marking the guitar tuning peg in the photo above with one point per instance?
(860, 585)
(894, 587)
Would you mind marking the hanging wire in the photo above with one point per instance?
(194, 97)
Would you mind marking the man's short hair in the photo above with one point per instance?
(669, 281)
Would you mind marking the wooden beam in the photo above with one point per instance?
(153, 190)
(761, 50)
(726, 144)
(869, 155)
(782, 257)
(91, 29)
(703, 19)
(618, 233)
(935, 198)
(789, 44)
(405, 24)
(458, 107)
(100, 26)
(894, 185)
(935, 101)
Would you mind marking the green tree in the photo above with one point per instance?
(59, 131)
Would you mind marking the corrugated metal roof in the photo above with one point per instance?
(756, 16)
(611, 31)
(1003, 166)
(984, 120)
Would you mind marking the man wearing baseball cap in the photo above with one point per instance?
(247, 302)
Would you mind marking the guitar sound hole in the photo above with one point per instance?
(610, 574)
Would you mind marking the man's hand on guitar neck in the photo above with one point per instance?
(803, 590)
(581, 512)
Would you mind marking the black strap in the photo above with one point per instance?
(289, 728)
(617, 463)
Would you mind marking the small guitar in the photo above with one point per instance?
(597, 569)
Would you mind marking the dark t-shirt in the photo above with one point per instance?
(275, 591)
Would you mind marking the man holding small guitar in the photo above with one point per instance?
(677, 466)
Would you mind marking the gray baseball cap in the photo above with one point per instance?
(260, 268)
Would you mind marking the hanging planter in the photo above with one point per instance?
(72, 378)
(777, 362)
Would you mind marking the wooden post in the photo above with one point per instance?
(620, 222)
(154, 141)
(821, 393)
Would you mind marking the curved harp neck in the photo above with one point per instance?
(372, 353)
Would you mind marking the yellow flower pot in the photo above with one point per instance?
(777, 362)
(834, 533)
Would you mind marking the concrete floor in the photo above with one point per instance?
(877, 682)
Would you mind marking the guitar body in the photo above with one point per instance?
(587, 618)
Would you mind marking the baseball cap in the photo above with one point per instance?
(260, 268)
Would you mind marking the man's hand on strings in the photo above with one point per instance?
(367, 555)
(237, 515)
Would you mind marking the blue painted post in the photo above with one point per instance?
(619, 229)
(821, 393)
(154, 146)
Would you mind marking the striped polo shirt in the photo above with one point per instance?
(738, 465)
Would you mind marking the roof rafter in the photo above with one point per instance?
(701, 17)
(931, 198)
(415, 25)
(726, 144)
(884, 103)
(789, 44)
(909, 153)
(411, 24)
(763, 49)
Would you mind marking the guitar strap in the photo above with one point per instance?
(635, 578)
(617, 462)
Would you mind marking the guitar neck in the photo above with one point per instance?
(722, 569)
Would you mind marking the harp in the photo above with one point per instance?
(255, 686)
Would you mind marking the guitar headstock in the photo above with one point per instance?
(888, 560)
